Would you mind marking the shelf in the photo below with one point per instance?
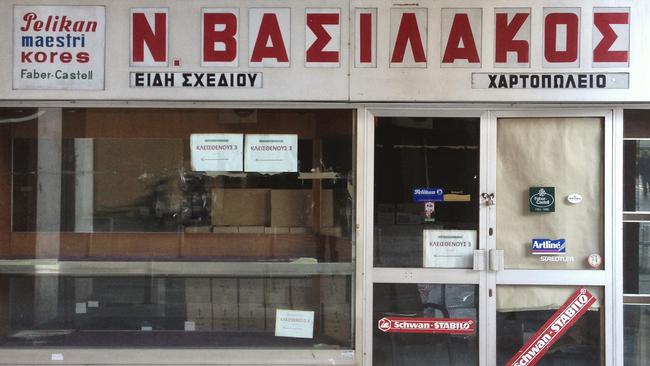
(247, 269)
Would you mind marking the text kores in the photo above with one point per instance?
(44, 38)
(563, 319)
(426, 325)
(460, 30)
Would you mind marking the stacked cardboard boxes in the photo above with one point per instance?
(251, 305)
(336, 308)
(277, 296)
(225, 310)
(198, 303)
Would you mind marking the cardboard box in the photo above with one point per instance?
(270, 315)
(240, 207)
(224, 291)
(250, 229)
(251, 291)
(225, 317)
(252, 317)
(333, 290)
(277, 291)
(337, 322)
(200, 314)
(301, 292)
(197, 290)
(294, 208)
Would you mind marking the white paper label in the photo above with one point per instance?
(57, 356)
(449, 248)
(271, 153)
(80, 308)
(294, 323)
(146, 328)
(93, 304)
(190, 326)
(59, 47)
(217, 152)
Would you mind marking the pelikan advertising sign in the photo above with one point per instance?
(59, 47)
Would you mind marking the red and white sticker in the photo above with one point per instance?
(426, 325)
(563, 319)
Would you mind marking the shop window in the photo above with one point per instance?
(636, 235)
(176, 228)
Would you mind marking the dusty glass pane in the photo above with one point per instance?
(521, 312)
(424, 154)
(417, 301)
(151, 229)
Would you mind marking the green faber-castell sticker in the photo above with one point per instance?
(541, 199)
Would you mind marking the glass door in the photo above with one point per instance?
(548, 259)
(427, 289)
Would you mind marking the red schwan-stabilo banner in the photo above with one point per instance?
(563, 319)
(426, 325)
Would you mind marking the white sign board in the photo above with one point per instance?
(59, 47)
(271, 153)
(449, 248)
(294, 323)
(217, 152)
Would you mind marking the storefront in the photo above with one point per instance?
(349, 183)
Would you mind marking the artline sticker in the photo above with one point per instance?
(426, 325)
(548, 247)
(541, 199)
(428, 195)
(563, 319)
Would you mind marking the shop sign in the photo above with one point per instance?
(59, 47)
(541, 199)
(428, 195)
(217, 152)
(618, 80)
(563, 319)
(294, 323)
(196, 80)
(548, 246)
(449, 248)
(426, 325)
(271, 153)
(269, 43)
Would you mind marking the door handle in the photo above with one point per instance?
(479, 259)
(496, 260)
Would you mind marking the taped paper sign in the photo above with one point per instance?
(449, 248)
(563, 319)
(426, 325)
(271, 153)
(217, 152)
(294, 323)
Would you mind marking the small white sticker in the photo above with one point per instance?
(595, 260)
(347, 354)
(574, 198)
(190, 326)
(80, 308)
(146, 328)
(93, 304)
(57, 356)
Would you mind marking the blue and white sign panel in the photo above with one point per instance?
(428, 195)
(548, 246)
